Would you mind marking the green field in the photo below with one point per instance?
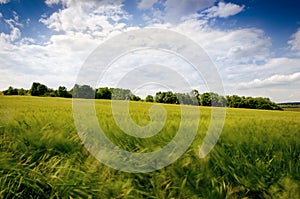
(257, 155)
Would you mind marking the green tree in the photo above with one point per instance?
(38, 89)
(42, 89)
(22, 91)
(121, 94)
(166, 97)
(185, 98)
(84, 91)
(103, 93)
(149, 98)
(205, 99)
(63, 92)
(135, 98)
(11, 91)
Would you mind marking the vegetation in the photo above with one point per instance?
(291, 106)
(257, 155)
(192, 98)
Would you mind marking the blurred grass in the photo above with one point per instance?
(41, 155)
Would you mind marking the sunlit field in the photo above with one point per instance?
(41, 155)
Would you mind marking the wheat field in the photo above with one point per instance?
(42, 156)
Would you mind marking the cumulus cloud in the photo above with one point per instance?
(92, 17)
(4, 1)
(175, 10)
(224, 10)
(295, 42)
(51, 2)
(15, 32)
(146, 4)
(228, 47)
(273, 80)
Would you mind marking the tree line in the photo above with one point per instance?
(192, 98)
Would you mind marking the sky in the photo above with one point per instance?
(254, 44)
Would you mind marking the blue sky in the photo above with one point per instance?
(255, 44)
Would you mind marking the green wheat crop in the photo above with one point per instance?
(41, 155)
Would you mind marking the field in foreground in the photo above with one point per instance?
(41, 155)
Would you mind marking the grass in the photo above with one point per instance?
(41, 155)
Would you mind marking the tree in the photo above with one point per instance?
(196, 94)
(250, 102)
(221, 101)
(103, 93)
(121, 94)
(135, 98)
(159, 96)
(11, 91)
(166, 97)
(149, 98)
(84, 91)
(185, 98)
(42, 89)
(212, 99)
(38, 89)
(63, 92)
(205, 99)
(22, 91)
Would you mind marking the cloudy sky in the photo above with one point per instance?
(255, 44)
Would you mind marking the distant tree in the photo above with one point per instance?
(22, 91)
(149, 98)
(166, 97)
(103, 93)
(221, 101)
(235, 101)
(63, 92)
(205, 99)
(11, 91)
(135, 98)
(38, 89)
(42, 89)
(121, 94)
(33, 90)
(51, 93)
(196, 94)
(212, 99)
(159, 96)
(170, 98)
(251, 102)
(185, 98)
(84, 91)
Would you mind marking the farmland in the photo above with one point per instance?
(256, 156)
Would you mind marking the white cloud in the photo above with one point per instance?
(12, 36)
(51, 2)
(224, 10)
(15, 32)
(92, 17)
(56, 61)
(273, 80)
(228, 47)
(4, 1)
(146, 4)
(295, 42)
(175, 10)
